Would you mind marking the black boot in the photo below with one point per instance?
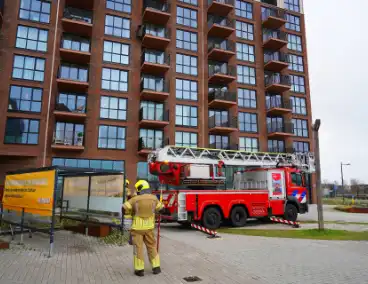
(139, 273)
(156, 270)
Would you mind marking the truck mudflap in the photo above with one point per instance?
(303, 208)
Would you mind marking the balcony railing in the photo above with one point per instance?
(161, 88)
(280, 150)
(218, 94)
(155, 57)
(78, 15)
(151, 143)
(227, 2)
(276, 56)
(221, 21)
(78, 108)
(222, 121)
(223, 69)
(278, 79)
(68, 138)
(157, 5)
(276, 13)
(277, 102)
(271, 34)
(75, 43)
(221, 44)
(153, 115)
(280, 127)
(224, 146)
(153, 30)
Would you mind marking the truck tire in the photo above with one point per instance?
(211, 218)
(291, 212)
(238, 216)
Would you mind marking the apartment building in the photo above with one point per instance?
(100, 83)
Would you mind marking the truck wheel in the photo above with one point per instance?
(211, 218)
(291, 213)
(238, 216)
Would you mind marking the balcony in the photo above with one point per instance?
(154, 37)
(73, 78)
(75, 49)
(220, 49)
(153, 119)
(70, 114)
(221, 73)
(276, 83)
(224, 146)
(220, 7)
(220, 27)
(155, 62)
(147, 144)
(85, 4)
(273, 18)
(274, 40)
(77, 21)
(275, 105)
(280, 150)
(156, 12)
(157, 93)
(276, 61)
(222, 124)
(68, 141)
(277, 129)
(218, 98)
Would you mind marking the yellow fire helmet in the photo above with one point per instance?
(141, 185)
(127, 182)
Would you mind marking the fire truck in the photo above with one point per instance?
(264, 185)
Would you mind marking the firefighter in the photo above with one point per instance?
(143, 208)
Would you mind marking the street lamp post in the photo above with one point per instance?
(342, 180)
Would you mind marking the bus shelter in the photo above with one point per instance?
(38, 196)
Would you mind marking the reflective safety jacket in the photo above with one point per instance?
(143, 209)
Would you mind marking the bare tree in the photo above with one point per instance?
(355, 185)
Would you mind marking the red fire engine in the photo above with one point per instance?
(264, 184)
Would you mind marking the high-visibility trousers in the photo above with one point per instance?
(147, 237)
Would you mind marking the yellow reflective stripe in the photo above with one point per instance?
(156, 261)
(138, 263)
(159, 206)
(127, 205)
(143, 223)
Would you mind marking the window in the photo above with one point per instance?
(276, 146)
(248, 144)
(68, 133)
(186, 89)
(245, 52)
(143, 173)
(31, 38)
(297, 84)
(246, 75)
(186, 139)
(73, 72)
(113, 108)
(274, 101)
(117, 26)
(295, 62)
(247, 98)
(119, 5)
(35, 10)
(151, 139)
(28, 68)
(152, 111)
(294, 42)
(21, 131)
(218, 118)
(111, 137)
(71, 102)
(75, 43)
(186, 64)
(244, 9)
(192, 2)
(299, 105)
(293, 22)
(244, 30)
(186, 17)
(156, 30)
(300, 147)
(186, 40)
(292, 5)
(155, 57)
(248, 122)
(89, 164)
(186, 115)
(114, 80)
(300, 127)
(296, 179)
(219, 142)
(154, 83)
(116, 52)
(25, 99)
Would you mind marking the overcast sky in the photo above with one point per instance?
(337, 40)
